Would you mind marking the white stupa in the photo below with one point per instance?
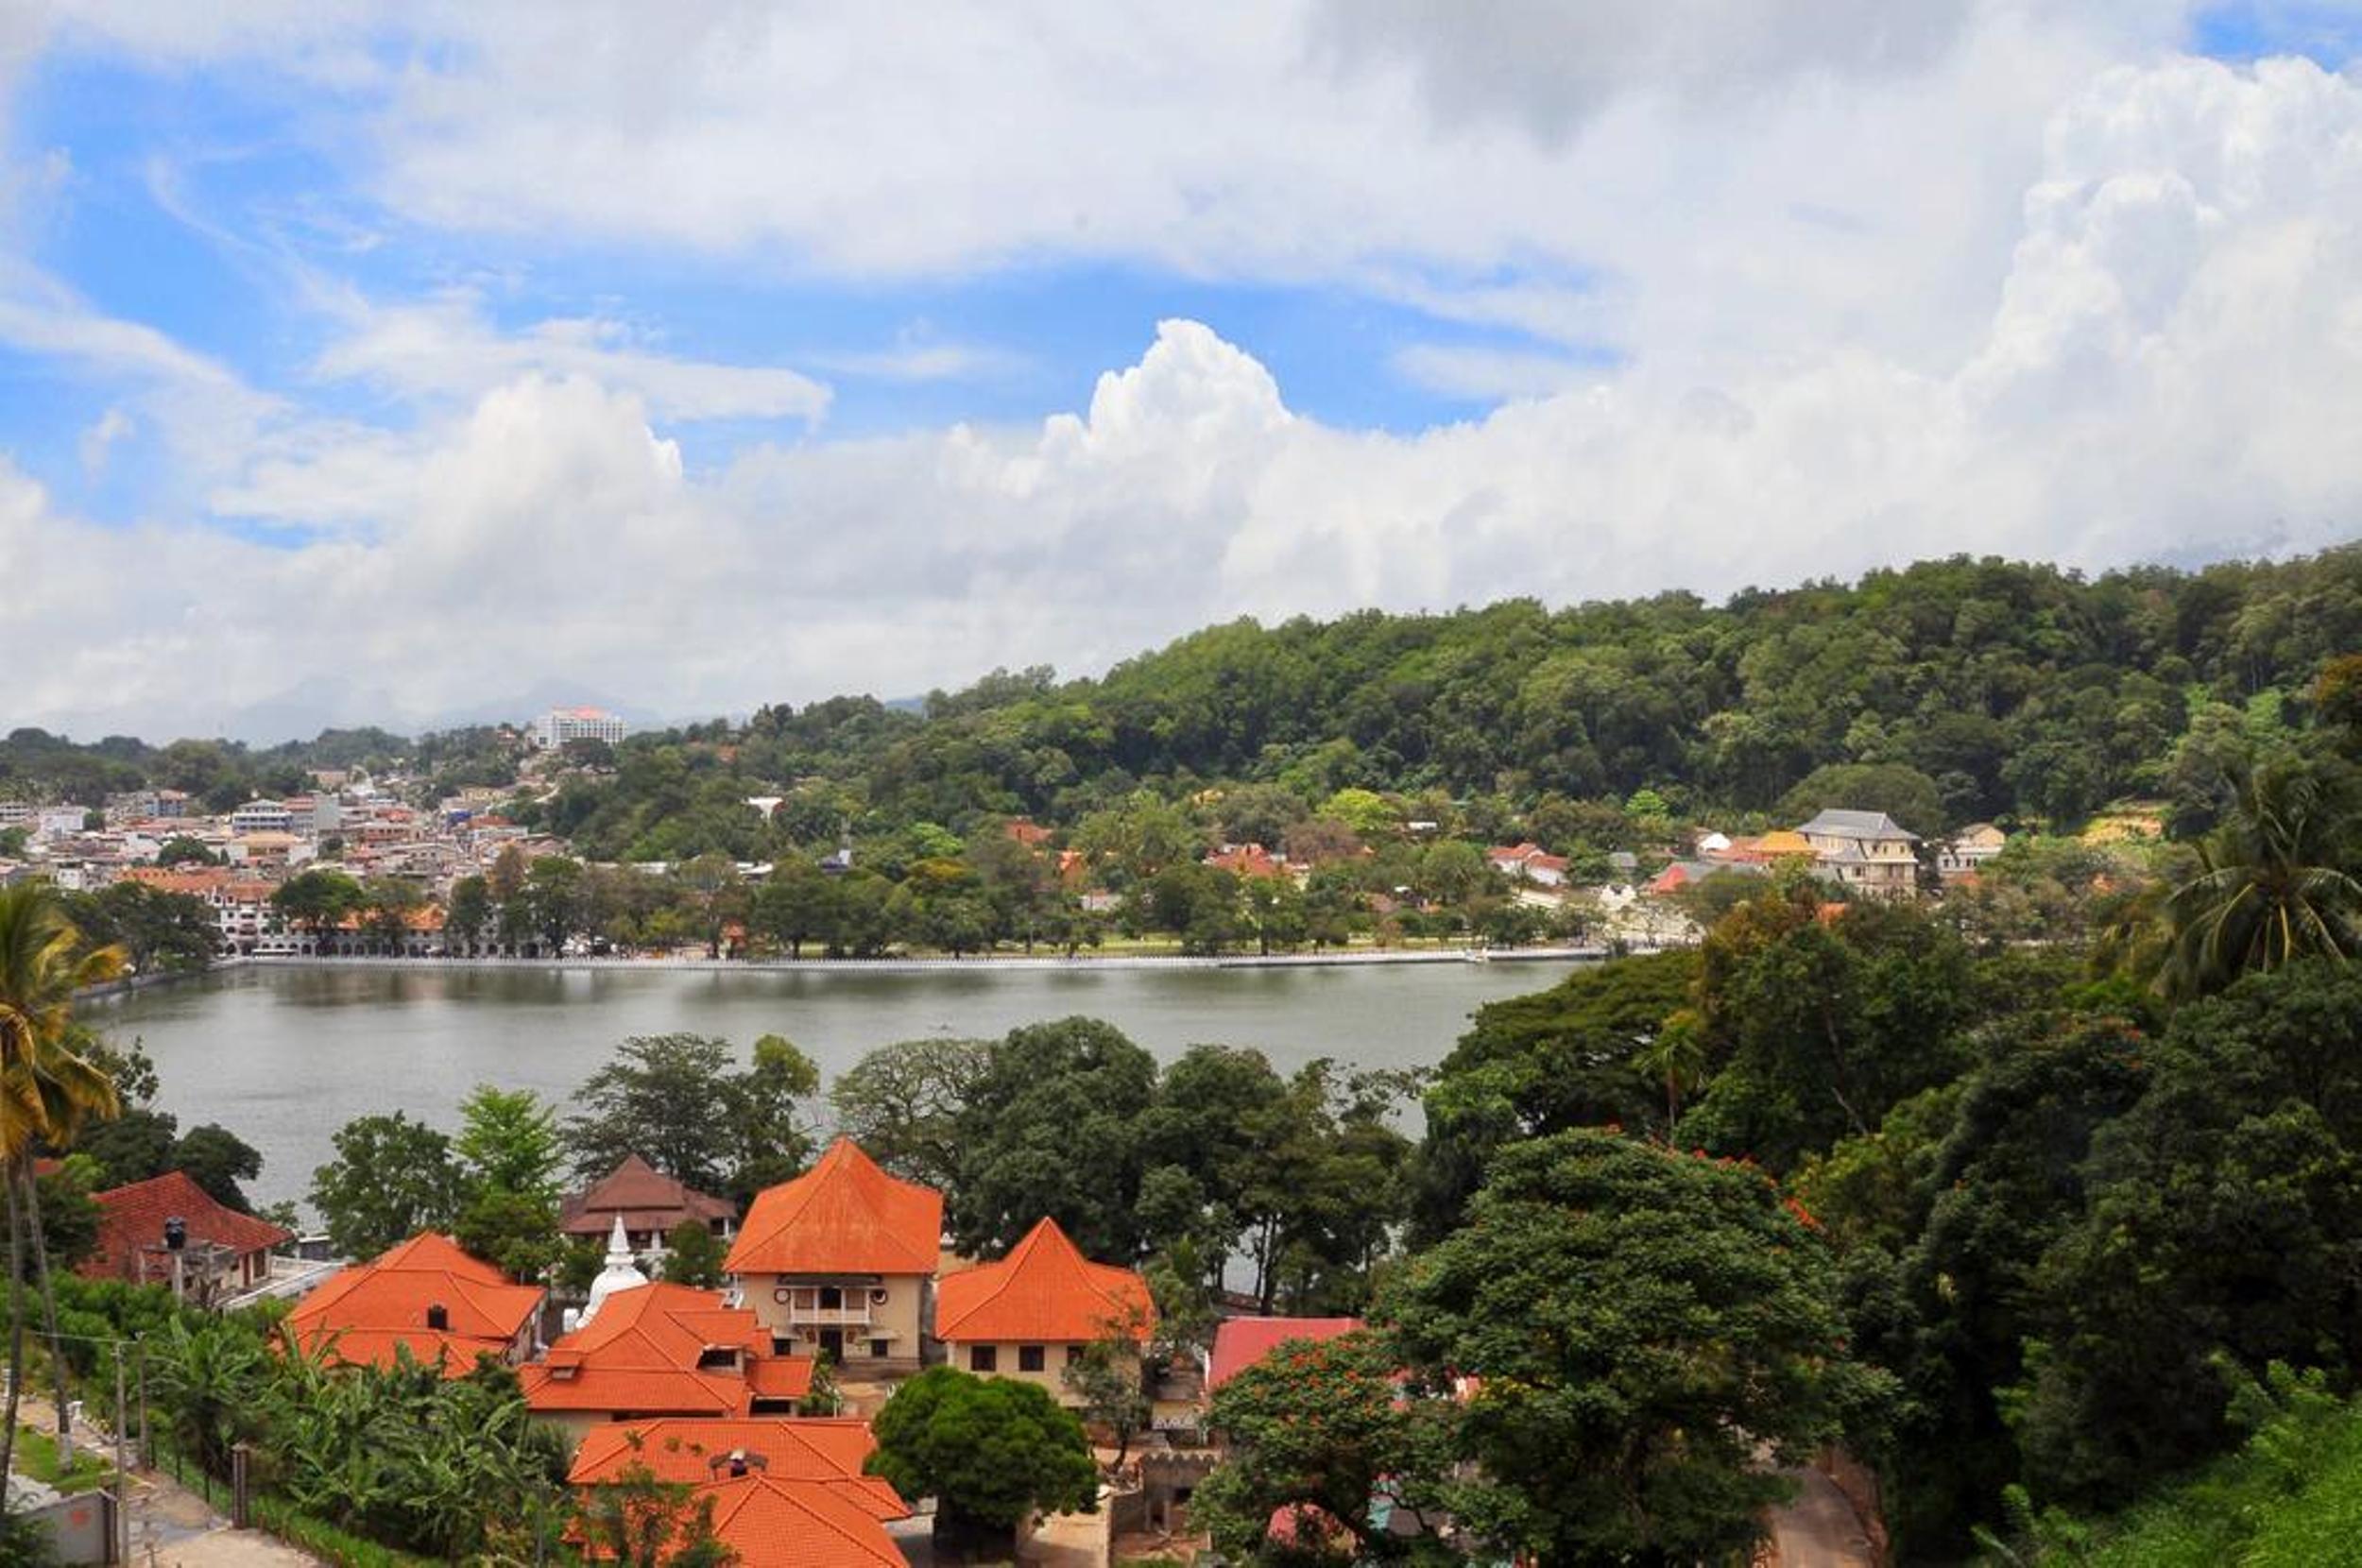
(620, 1273)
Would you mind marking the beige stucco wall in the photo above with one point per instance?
(1052, 1376)
(903, 1314)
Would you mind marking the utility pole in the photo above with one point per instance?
(123, 1460)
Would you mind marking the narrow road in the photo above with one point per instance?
(1819, 1529)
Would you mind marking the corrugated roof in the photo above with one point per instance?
(845, 1215)
(1044, 1291)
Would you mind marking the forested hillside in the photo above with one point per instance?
(1985, 689)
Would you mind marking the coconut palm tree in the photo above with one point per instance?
(2275, 882)
(46, 1091)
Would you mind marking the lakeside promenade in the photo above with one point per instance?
(1001, 963)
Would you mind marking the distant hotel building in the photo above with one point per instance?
(560, 724)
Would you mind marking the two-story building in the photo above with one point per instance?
(1030, 1315)
(841, 1262)
(1865, 852)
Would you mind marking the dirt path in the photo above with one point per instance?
(1819, 1529)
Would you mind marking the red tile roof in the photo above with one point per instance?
(770, 1524)
(807, 1503)
(131, 1219)
(638, 1356)
(363, 1313)
(828, 1449)
(647, 1197)
(1240, 1343)
(1044, 1291)
(845, 1215)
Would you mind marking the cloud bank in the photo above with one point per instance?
(1806, 301)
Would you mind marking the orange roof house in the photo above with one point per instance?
(842, 1259)
(649, 1203)
(1007, 1316)
(786, 1493)
(663, 1350)
(1247, 860)
(223, 1252)
(427, 1295)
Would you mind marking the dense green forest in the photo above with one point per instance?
(1982, 688)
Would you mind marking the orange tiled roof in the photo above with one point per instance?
(828, 1449)
(1045, 1290)
(771, 1523)
(639, 1355)
(647, 1197)
(131, 1219)
(807, 1503)
(845, 1215)
(171, 880)
(361, 1313)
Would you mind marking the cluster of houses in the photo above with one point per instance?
(1867, 853)
(362, 824)
(845, 1265)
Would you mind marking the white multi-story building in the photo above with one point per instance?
(560, 724)
(262, 816)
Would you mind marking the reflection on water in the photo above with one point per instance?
(285, 1057)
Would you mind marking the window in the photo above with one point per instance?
(1029, 1359)
(984, 1358)
(832, 1298)
(1074, 1355)
(881, 1348)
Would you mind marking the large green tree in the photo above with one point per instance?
(681, 1104)
(1639, 1337)
(2223, 1227)
(902, 1103)
(391, 1178)
(1052, 1126)
(1324, 1427)
(992, 1452)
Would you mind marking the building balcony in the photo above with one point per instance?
(800, 1316)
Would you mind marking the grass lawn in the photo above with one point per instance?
(37, 1457)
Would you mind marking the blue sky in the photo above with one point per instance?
(341, 332)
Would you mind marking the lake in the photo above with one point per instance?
(284, 1057)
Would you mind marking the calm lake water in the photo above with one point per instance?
(284, 1057)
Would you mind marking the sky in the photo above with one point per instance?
(406, 362)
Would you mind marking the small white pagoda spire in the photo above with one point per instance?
(620, 1273)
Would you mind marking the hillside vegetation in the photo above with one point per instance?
(1978, 689)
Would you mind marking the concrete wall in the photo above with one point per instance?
(83, 1526)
